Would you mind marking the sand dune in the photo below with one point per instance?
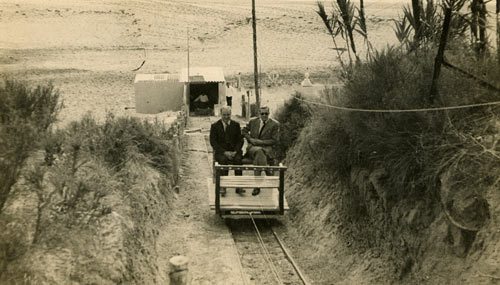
(89, 48)
(289, 32)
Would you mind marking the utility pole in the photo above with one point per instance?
(187, 95)
(187, 55)
(255, 65)
(498, 30)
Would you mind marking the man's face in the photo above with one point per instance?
(226, 115)
(264, 114)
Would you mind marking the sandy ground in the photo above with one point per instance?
(88, 48)
(220, 33)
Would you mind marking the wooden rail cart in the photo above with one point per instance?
(270, 202)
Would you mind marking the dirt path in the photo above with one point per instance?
(193, 230)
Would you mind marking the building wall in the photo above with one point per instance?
(156, 96)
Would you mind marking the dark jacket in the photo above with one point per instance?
(229, 140)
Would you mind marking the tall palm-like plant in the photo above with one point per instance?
(362, 27)
(421, 23)
(343, 21)
(348, 23)
(332, 28)
(403, 29)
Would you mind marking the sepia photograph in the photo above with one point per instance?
(249, 142)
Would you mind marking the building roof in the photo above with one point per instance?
(202, 74)
(157, 77)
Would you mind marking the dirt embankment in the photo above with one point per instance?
(403, 243)
(85, 224)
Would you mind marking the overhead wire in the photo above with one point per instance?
(397, 110)
(267, 255)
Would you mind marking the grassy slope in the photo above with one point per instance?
(81, 219)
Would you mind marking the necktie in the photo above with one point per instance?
(261, 129)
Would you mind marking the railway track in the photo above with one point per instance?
(263, 256)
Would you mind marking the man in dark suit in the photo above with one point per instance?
(262, 136)
(226, 141)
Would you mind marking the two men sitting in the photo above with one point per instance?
(226, 138)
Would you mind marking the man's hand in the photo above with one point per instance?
(230, 154)
(253, 141)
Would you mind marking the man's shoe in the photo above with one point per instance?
(255, 191)
(240, 191)
(223, 192)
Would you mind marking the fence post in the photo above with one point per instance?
(179, 273)
(249, 107)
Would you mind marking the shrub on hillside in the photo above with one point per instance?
(121, 140)
(414, 147)
(92, 173)
(25, 116)
(87, 161)
(293, 116)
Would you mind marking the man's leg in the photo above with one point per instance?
(222, 160)
(259, 158)
(237, 161)
(256, 153)
(271, 162)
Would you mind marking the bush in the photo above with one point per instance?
(120, 140)
(87, 158)
(414, 148)
(25, 117)
(293, 116)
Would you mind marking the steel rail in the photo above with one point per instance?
(266, 252)
(290, 258)
(262, 243)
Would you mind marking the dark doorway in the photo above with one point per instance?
(211, 89)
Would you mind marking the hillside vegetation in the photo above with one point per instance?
(418, 188)
(408, 192)
(81, 204)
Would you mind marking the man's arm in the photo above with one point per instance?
(246, 130)
(239, 143)
(197, 99)
(213, 139)
(269, 142)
